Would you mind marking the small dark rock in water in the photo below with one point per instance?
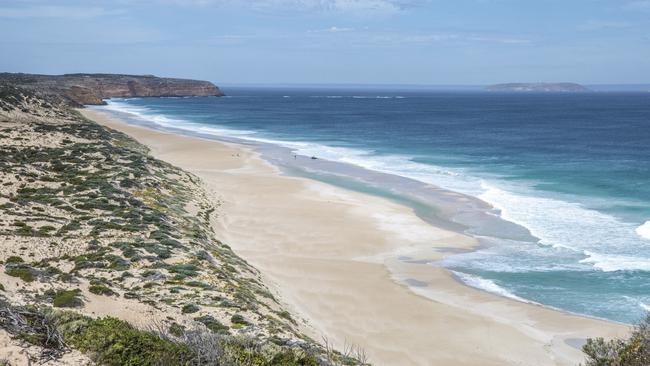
(313, 158)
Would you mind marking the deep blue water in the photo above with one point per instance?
(572, 168)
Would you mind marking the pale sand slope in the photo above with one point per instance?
(327, 252)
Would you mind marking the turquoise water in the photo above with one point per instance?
(574, 169)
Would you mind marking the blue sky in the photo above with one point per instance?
(333, 41)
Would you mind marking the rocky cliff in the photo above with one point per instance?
(80, 89)
(538, 87)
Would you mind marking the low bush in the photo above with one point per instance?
(212, 324)
(176, 329)
(23, 272)
(67, 299)
(131, 295)
(634, 351)
(239, 320)
(100, 290)
(111, 341)
(14, 259)
(292, 358)
(285, 314)
(200, 284)
(190, 308)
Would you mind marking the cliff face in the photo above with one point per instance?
(538, 87)
(80, 89)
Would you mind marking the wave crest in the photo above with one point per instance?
(611, 262)
(644, 230)
(486, 285)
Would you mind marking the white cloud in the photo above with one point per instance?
(343, 6)
(429, 38)
(332, 30)
(505, 40)
(94, 8)
(75, 12)
(594, 25)
(346, 6)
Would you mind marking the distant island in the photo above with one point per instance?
(82, 89)
(538, 87)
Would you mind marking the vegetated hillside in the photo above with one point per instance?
(82, 89)
(90, 222)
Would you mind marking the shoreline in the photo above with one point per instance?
(441, 207)
(337, 257)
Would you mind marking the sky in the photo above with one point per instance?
(429, 42)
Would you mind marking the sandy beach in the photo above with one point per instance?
(354, 266)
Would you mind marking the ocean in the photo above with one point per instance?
(567, 175)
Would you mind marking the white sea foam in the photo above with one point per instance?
(159, 119)
(557, 223)
(392, 164)
(359, 96)
(644, 230)
(486, 285)
(373, 97)
(613, 262)
(644, 306)
(569, 225)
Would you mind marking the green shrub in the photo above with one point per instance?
(23, 272)
(45, 230)
(241, 355)
(117, 263)
(634, 351)
(184, 270)
(212, 324)
(291, 358)
(285, 314)
(65, 277)
(200, 284)
(131, 295)
(52, 271)
(14, 259)
(67, 299)
(176, 329)
(114, 342)
(100, 290)
(149, 273)
(190, 308)
(239, 320)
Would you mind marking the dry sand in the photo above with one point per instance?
(332, 256)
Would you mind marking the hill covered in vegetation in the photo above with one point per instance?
(108, 255)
